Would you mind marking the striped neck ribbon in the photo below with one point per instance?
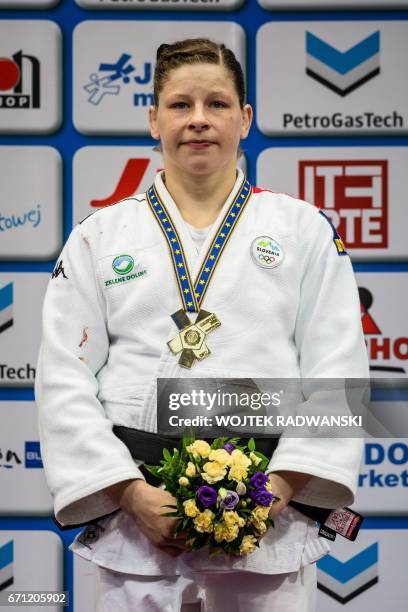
(192, 294)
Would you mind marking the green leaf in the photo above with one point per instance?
(166, 455)
(251, 444)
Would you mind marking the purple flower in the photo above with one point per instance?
(259, 479)
(230, 501)
(229, 447)
(207, 496)
(261, 497)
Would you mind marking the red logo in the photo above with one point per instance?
(128, 184)
(20, 78)
(380, 347)
(354, 194)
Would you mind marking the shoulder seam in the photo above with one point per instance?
(109, 205)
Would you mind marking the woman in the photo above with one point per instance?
(107, 321)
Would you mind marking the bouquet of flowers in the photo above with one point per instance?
(222, 492)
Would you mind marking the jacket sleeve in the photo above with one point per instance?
(330, 343)
(80, 453)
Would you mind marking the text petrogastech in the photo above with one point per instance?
(338, 120)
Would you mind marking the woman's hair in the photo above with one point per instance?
(196, 51)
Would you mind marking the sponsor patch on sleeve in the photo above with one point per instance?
(338, 243)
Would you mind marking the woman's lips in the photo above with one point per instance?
(196, 144)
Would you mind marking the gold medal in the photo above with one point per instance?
(191, 339)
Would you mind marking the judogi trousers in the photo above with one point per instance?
(235, 592)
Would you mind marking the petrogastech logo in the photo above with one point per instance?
(354, 194)
(19, 81)
(344, 580)
(6, 565)
(6, 307)
(342, 72)
(123, 74)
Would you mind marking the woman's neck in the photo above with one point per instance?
(200, 198)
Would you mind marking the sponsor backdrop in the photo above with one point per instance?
(327, 80)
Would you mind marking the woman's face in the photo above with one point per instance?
(199, 120)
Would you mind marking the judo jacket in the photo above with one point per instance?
(104, 345)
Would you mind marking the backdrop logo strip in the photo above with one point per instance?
(380, 346)
(6, 565)
(6, 307)
(33, 455)
(345, 580)
(325, 70)
(128, 183)
(343, 72)
(20, 76)
(354, 194)
(111, 77)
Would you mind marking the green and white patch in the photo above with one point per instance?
(124, 267)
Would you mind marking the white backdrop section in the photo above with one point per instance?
(34, 561)
(162, 5)
(21, 298)
(113, 69)
(362, 190)
(30, 83)
(28, 4)
(383, 480)
(105, 175)
(85, 584)
(352, 566)
(351, 571)
(30, 209)
(331, 4)
(384, 304)
(355, 83)
(23, 487)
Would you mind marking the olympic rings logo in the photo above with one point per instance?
(266, 258)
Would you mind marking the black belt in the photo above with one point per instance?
(149, 447)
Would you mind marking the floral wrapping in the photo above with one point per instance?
(222, 493)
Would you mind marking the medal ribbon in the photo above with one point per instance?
(191, 294)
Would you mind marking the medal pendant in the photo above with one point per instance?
(191, 340)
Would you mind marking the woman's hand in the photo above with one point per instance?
(285, 485)
(145, 504)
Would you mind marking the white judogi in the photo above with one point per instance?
(104, 346)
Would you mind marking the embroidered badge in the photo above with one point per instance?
(123, 264)
(266, 252)
(125, 269)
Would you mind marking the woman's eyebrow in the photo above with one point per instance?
(218, 92)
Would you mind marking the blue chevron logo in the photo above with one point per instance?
(344, 580)
(6, 303)
(6, 565)
(343, 71)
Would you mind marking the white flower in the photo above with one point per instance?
(241, 488)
